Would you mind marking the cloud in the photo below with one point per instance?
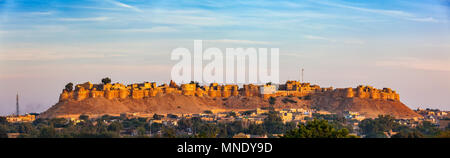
(48, 70)
(86, 19)
(296, 55)
(46, 56)
(234, 41)
(344, 41)
(127, 67)
(393, 13)
(428, 19)
(202, 18)
(41, 13)
(123, 5)
(312, 37)
(437, 45)
(416, 63)
(33, 30)
(90, 7)
(150, 30)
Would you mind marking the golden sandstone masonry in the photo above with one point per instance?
(290, 88)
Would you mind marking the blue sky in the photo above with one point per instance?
(402, 44)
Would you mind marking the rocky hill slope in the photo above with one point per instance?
(367, 107)
(181, 104)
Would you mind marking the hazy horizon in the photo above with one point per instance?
(400, 44)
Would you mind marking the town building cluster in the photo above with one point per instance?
(256, 116)
(435, 116)
(21, 118)
(246, 117)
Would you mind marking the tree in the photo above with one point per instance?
(84, 117)
(157, 117)
(107, 134)
(375, 128)
(101, 127)
(106, 117)
(140, 131)
(47, 132)
(223, 130)
(208, 131)
(428, 129)
(444, 134)
(106, 80)
(272, 100)
(273, 123)
(316, 129)
(155, 127)
(408, 134)
(3, 120)
(196, 83)
(26, 128)
(235, 127)
(58, 122)
(231, 114)
(184, 124)
(3, 132)
(308, 97)
(69, 87)
(168, 132)
(115, 126)
(256, 129)
(290, 126)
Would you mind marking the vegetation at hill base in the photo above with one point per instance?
(319, 126)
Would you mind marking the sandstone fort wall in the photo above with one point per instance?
(290, 88)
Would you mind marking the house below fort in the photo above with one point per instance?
(21, 118)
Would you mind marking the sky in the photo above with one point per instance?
(401, 44)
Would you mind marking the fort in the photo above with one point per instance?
(214, 90)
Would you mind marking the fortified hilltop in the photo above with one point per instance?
(290, 88)
(171, 98)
